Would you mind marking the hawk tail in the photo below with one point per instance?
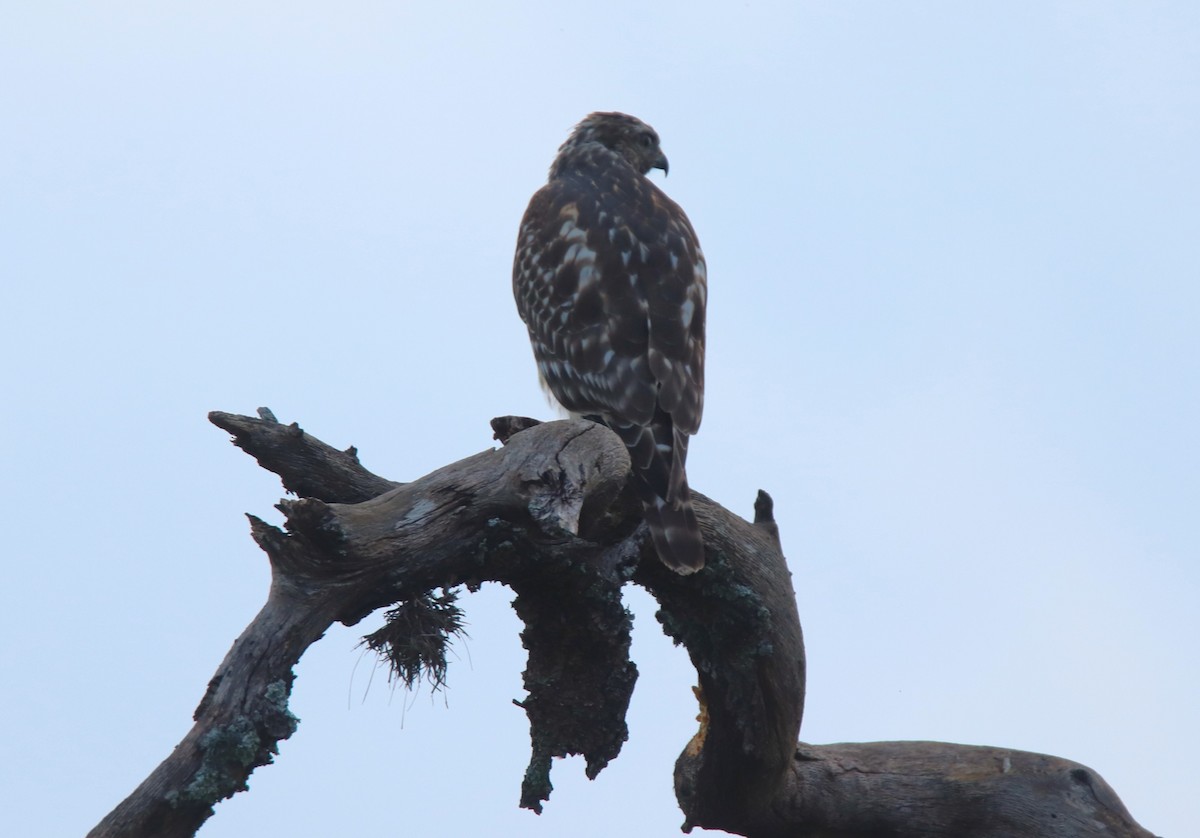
(657, 453)
(676, 534)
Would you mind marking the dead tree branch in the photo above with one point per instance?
(549, 516)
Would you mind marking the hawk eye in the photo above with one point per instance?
(647, 140)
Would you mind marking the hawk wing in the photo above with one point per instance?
(610, 280)
(611, 283)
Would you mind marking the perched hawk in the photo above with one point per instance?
(610, 281)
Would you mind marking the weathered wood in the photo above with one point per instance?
(739, 623)
(239, 723)
(309, 468)
(550, 515)
(941, 790)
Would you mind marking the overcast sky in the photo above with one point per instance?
(954, 260)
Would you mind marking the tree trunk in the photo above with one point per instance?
(549, 515)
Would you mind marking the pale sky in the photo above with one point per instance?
(954, 294)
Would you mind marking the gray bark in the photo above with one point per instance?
(549, 515)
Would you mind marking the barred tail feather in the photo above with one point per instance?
(676, 534)
(657, 453)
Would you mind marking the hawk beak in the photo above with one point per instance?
(661, 163)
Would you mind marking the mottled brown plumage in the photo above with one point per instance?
(609, 279)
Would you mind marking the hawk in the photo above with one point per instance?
(610, 281)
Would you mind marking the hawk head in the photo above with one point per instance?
(627, 135)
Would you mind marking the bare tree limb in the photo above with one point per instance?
(941, 790)
(309, 467)
(549, 515)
